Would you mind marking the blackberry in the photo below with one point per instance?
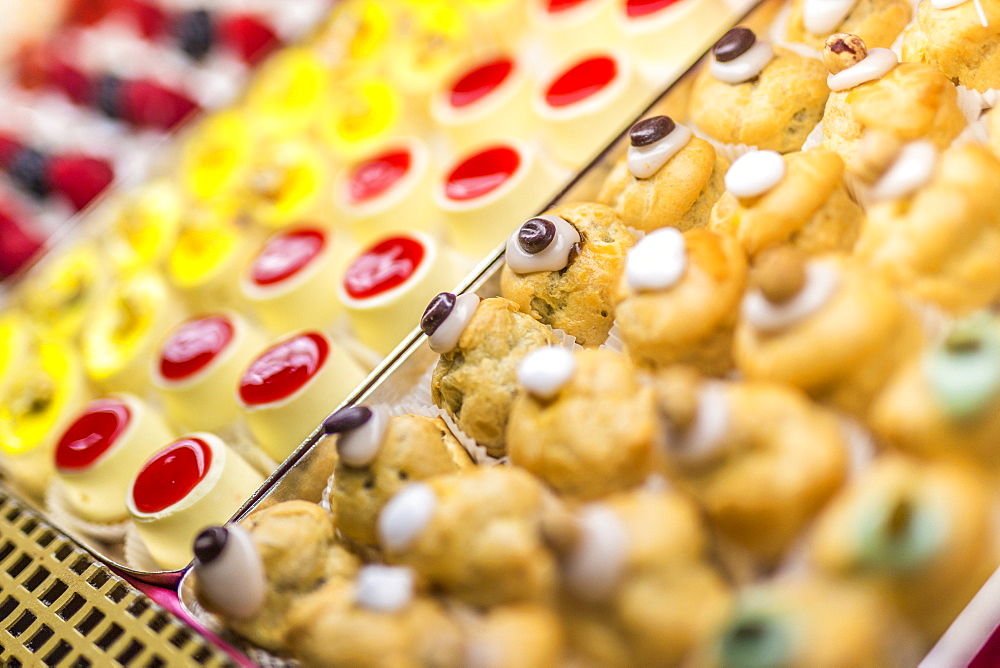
(28, 170)
(195, 33)
(108, 95)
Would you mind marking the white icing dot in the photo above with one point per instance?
(946, 4)
(658, 261)
(553, 258)
(234, 582)
(875, 65)
(755, 173)
(912, 169)
(445, 338)
(705, 437)
(598, 562)
(821, 17)
(405, 516)
(822, 280)
(384, 588)
(543, 372)
(744, 67)
(359, 447)
(644, 161)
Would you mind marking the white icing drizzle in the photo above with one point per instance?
(358, 448)
(755, 173)
(234, 581)
(705, 437)
(822, 280)
(644, 161)
(743, 67)
(405, 516)
(658, 261)
(596, 565)
(912, 169)
(545, 371)
(384, 588)
(948, 4)
(875, 65)
(821, 17)
(446, 337)
(553, 258)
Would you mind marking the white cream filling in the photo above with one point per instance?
(745, 66)
(705, 437)
(658, 261)
(912, 169)
(405, 517)
(755, 173)
(821, 17)
(644, 161)
(234, 582)
(875, 65)
(384, 588)
(822, 280)
(359, 447)
(598, 562)
(553, 258)
(445, 338)
(545, 371)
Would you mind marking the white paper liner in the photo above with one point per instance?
(970, 102)
(814, 138)
(859, 191)
(63, 514)
(728, 151)
(614, 342)
(975, 133)
(137, 555)
(860, 445)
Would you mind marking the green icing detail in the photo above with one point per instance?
(756, 638)
(964, 371)
(899, 534)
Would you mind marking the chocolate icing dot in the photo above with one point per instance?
(347, 419)
(210, 543)
(436, 312)
(651, 130)
(535, 235)
(734, 44)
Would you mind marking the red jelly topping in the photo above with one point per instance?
(581, 81)
(373, 177)
(562, 5)
(636, 8)
(92, 434)
(171, 474)
(193, 345)
(285, 254)
(479, 82)
(482, 173)
(383, 266)
(283, 369)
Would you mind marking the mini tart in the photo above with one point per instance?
(195, 482)
(808, 207)
(289, 388)
(17, 335)
(364, 113)
(64, 290)
(385, 288)
(122, 337)
(578, 297)
(570, 27)
(691, 320)
(659, 32)
(197, 365)
(287, 283)
(904, 522)
(215, 154)
(505, 19)
(145, 225)
(877, 22)
(583, 102)
(289, 92)
(388, 190)
(488, 99)
(484, 189)
(939, 243)
(956, 41)
(39, 401)
(679, 194)
(99, 453)
(285, 182)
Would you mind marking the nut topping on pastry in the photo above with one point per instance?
(876, 152)
(843, 50)
(230, 571)
(545, 243)
(803, 294)
(445, 318)
(851, 64)
(779, 274)
(734, 44)
(361, 432)
(650, 130)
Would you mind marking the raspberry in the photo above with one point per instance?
(18, 243)
(149, 19)
(148, 104)
(79, 178)
(195, 33)
(9, 148)
(247, 37)
(70, 81)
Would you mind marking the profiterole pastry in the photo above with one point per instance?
(877, 22)
(480, 343)
(475, 535)
(378, 455)
(825, 326)
(797, 198)
(583, 423)
(668, 177)
(959, 37)
(678, 298)
(527, 635)
(562, 267)
(755, 94)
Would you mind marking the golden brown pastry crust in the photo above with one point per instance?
(577, 299)
(598, 435)
(775, 111)
(955, 42)
(515, 636)
(680, 194)
(477, 382)
(877, 22)
(810, 209)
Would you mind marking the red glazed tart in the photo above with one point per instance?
(199, 363)
(195, 482)
(570, 27)
(290, 387)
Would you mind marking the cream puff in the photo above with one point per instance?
(959, 37)
(878, 23)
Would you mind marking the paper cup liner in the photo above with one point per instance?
(728, 151)
(63, 514)
(814, 138)
(974, 133)
(859, 191)
(614, 342)
(137, 555)
(970, 101)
